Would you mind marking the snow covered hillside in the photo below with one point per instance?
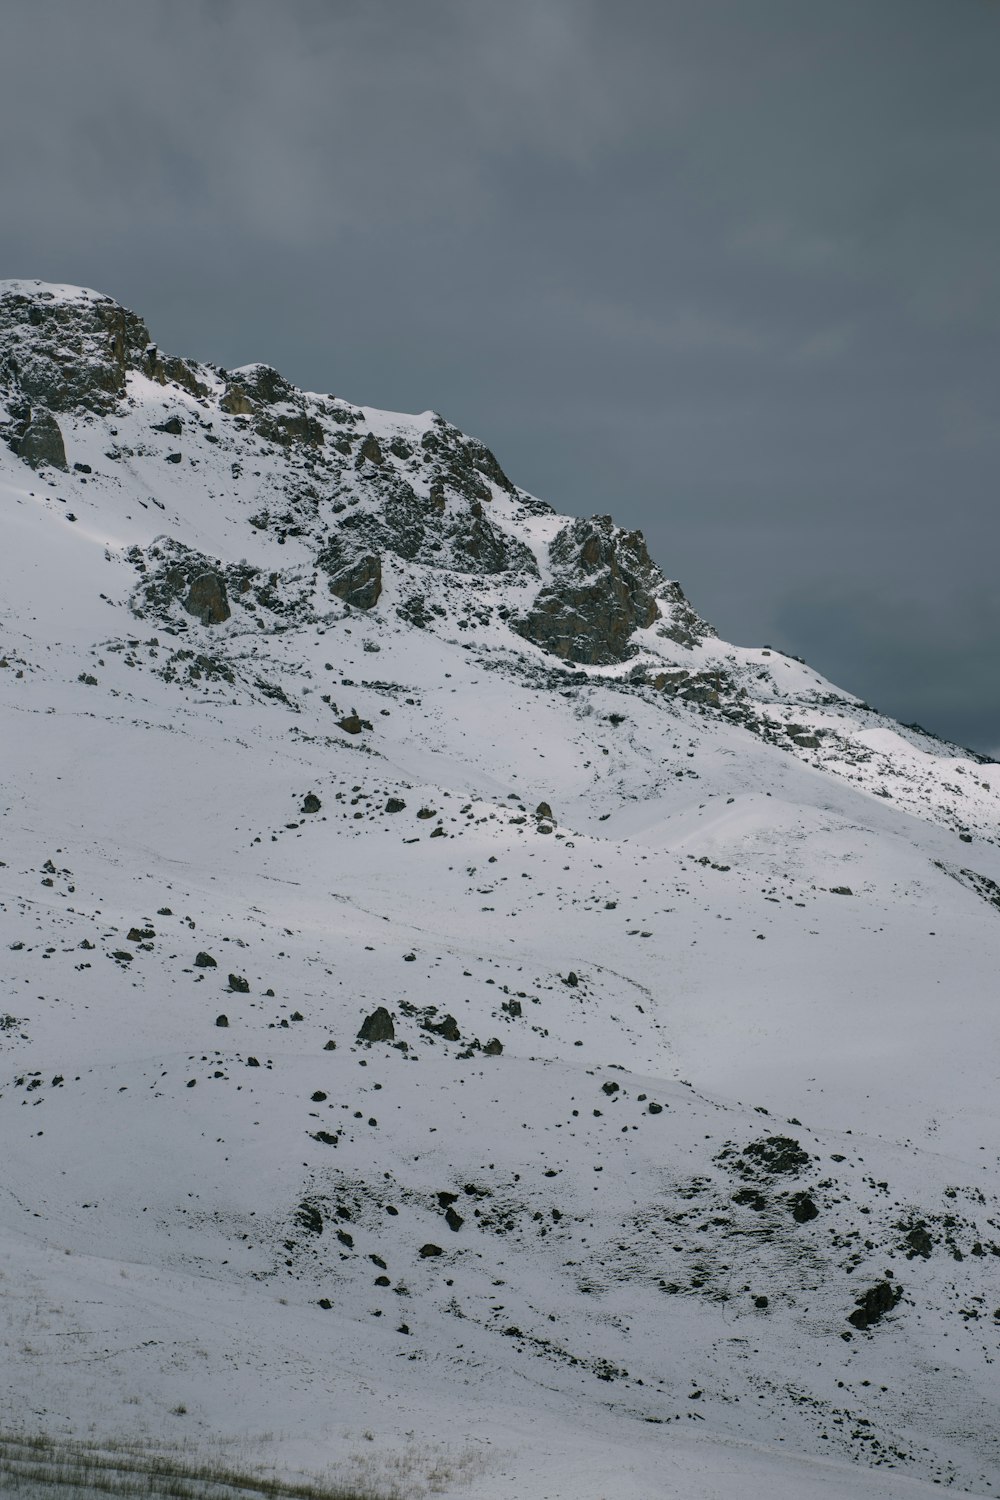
(466, 1027)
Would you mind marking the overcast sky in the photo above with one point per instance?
(728, 270)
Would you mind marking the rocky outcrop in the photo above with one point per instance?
(41, 442)
(175, 581)
(207, 599)
(446, 530)
(603, 590)
(65, 348)
(277, 411)
(359, 493)
(359, 583)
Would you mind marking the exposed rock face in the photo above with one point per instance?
(42, 442)
(207, 599)
(276, 409)
(360, 582)
(604, 590)
(450, 529)
(67, 351)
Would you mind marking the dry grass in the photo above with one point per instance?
(38, 1467)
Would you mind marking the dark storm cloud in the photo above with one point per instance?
(727, 271)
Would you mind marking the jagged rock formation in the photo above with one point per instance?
(424, 495)
(66, 347)
(602, 591)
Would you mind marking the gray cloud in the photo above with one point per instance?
(727, 271)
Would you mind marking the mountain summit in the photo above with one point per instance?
(460, 1007)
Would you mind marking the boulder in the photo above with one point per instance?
(360, 582)
(874, 1304)
(207, 599)
(41, 442)
(377, 1027)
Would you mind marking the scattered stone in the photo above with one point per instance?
(447, 1027)
(543, 810)
(205, 961)
(761, 1302)
(427, 812)
(428, 1250)
(841, 890)
(803, 1208)
(309, 1217)
(493, 1048)
(750, 1198)
(222, 1020)
(139, 934)
(777, 1154)
(239, 985)
(311, 803)
(395, 805)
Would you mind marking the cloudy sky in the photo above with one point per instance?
(726, 269)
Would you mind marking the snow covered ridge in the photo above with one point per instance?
(463, 1019)
(408, 517)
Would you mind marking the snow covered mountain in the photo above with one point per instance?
(466, 1027)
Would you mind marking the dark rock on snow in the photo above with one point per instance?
(377, 1027)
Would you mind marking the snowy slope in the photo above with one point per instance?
(714, 1026)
